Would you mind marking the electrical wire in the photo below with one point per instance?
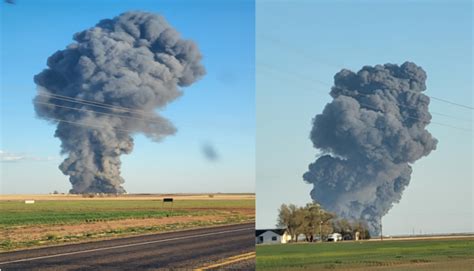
(308, 56)
(91, 103)
(369, 106)
(98, 112)
(299, 76)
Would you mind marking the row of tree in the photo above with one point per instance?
(313, 221)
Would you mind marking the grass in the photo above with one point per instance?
(80, 211)
(372, 254)
(47, 222)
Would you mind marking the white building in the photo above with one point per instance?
(334, 237)
(272, 236)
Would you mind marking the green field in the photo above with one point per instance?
(80, 211)
(48, 222)
(452, 254)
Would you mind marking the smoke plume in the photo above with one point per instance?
(369, 135)
(106, 86)
(210, 152)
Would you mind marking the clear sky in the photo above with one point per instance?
(306, 43)
(217, 111)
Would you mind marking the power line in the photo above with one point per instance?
(450, 116)
(301, 77)
(271, 67)
(308, 56)
(96, 104)
(91, 103)
(92, 111)
(377, 109)
(452, 126)
(423, 120)
(299, 52)
(453, 103)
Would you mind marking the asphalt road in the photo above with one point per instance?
(189, 249)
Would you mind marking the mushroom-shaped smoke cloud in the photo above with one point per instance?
(369, 135)
(106, 86)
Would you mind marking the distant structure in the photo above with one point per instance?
(170, 200)
(272, 236)
(29, 201)
(334, 237)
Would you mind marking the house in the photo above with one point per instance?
(272, 236)
(334, 237)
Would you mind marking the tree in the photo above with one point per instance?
(291, 217)
(315, 219)
(312, 221)
(361, 227)
(350, 227)
(326, 229)
(312, 217)
(343, 226)
(299, 222)
(326, 224)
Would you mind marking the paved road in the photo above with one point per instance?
(178, 250)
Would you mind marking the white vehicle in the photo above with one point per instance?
(334, 237)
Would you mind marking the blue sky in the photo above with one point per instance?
(218, 110)
(259, 134)
(304, 42)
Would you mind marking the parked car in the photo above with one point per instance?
(334, 237)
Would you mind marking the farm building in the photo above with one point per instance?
(334, 237)
(272, 236)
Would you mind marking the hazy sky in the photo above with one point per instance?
(217, 111)
(306, 43)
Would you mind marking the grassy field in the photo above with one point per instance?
(51, 220)
(67, 212)
(437, 254)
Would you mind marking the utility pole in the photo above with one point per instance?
(320, 231)
(381, 232)
(320, 225)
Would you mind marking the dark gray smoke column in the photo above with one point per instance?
(370, 134)
(135, 61)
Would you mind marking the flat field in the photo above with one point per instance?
(56, 219)
(424, 254)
